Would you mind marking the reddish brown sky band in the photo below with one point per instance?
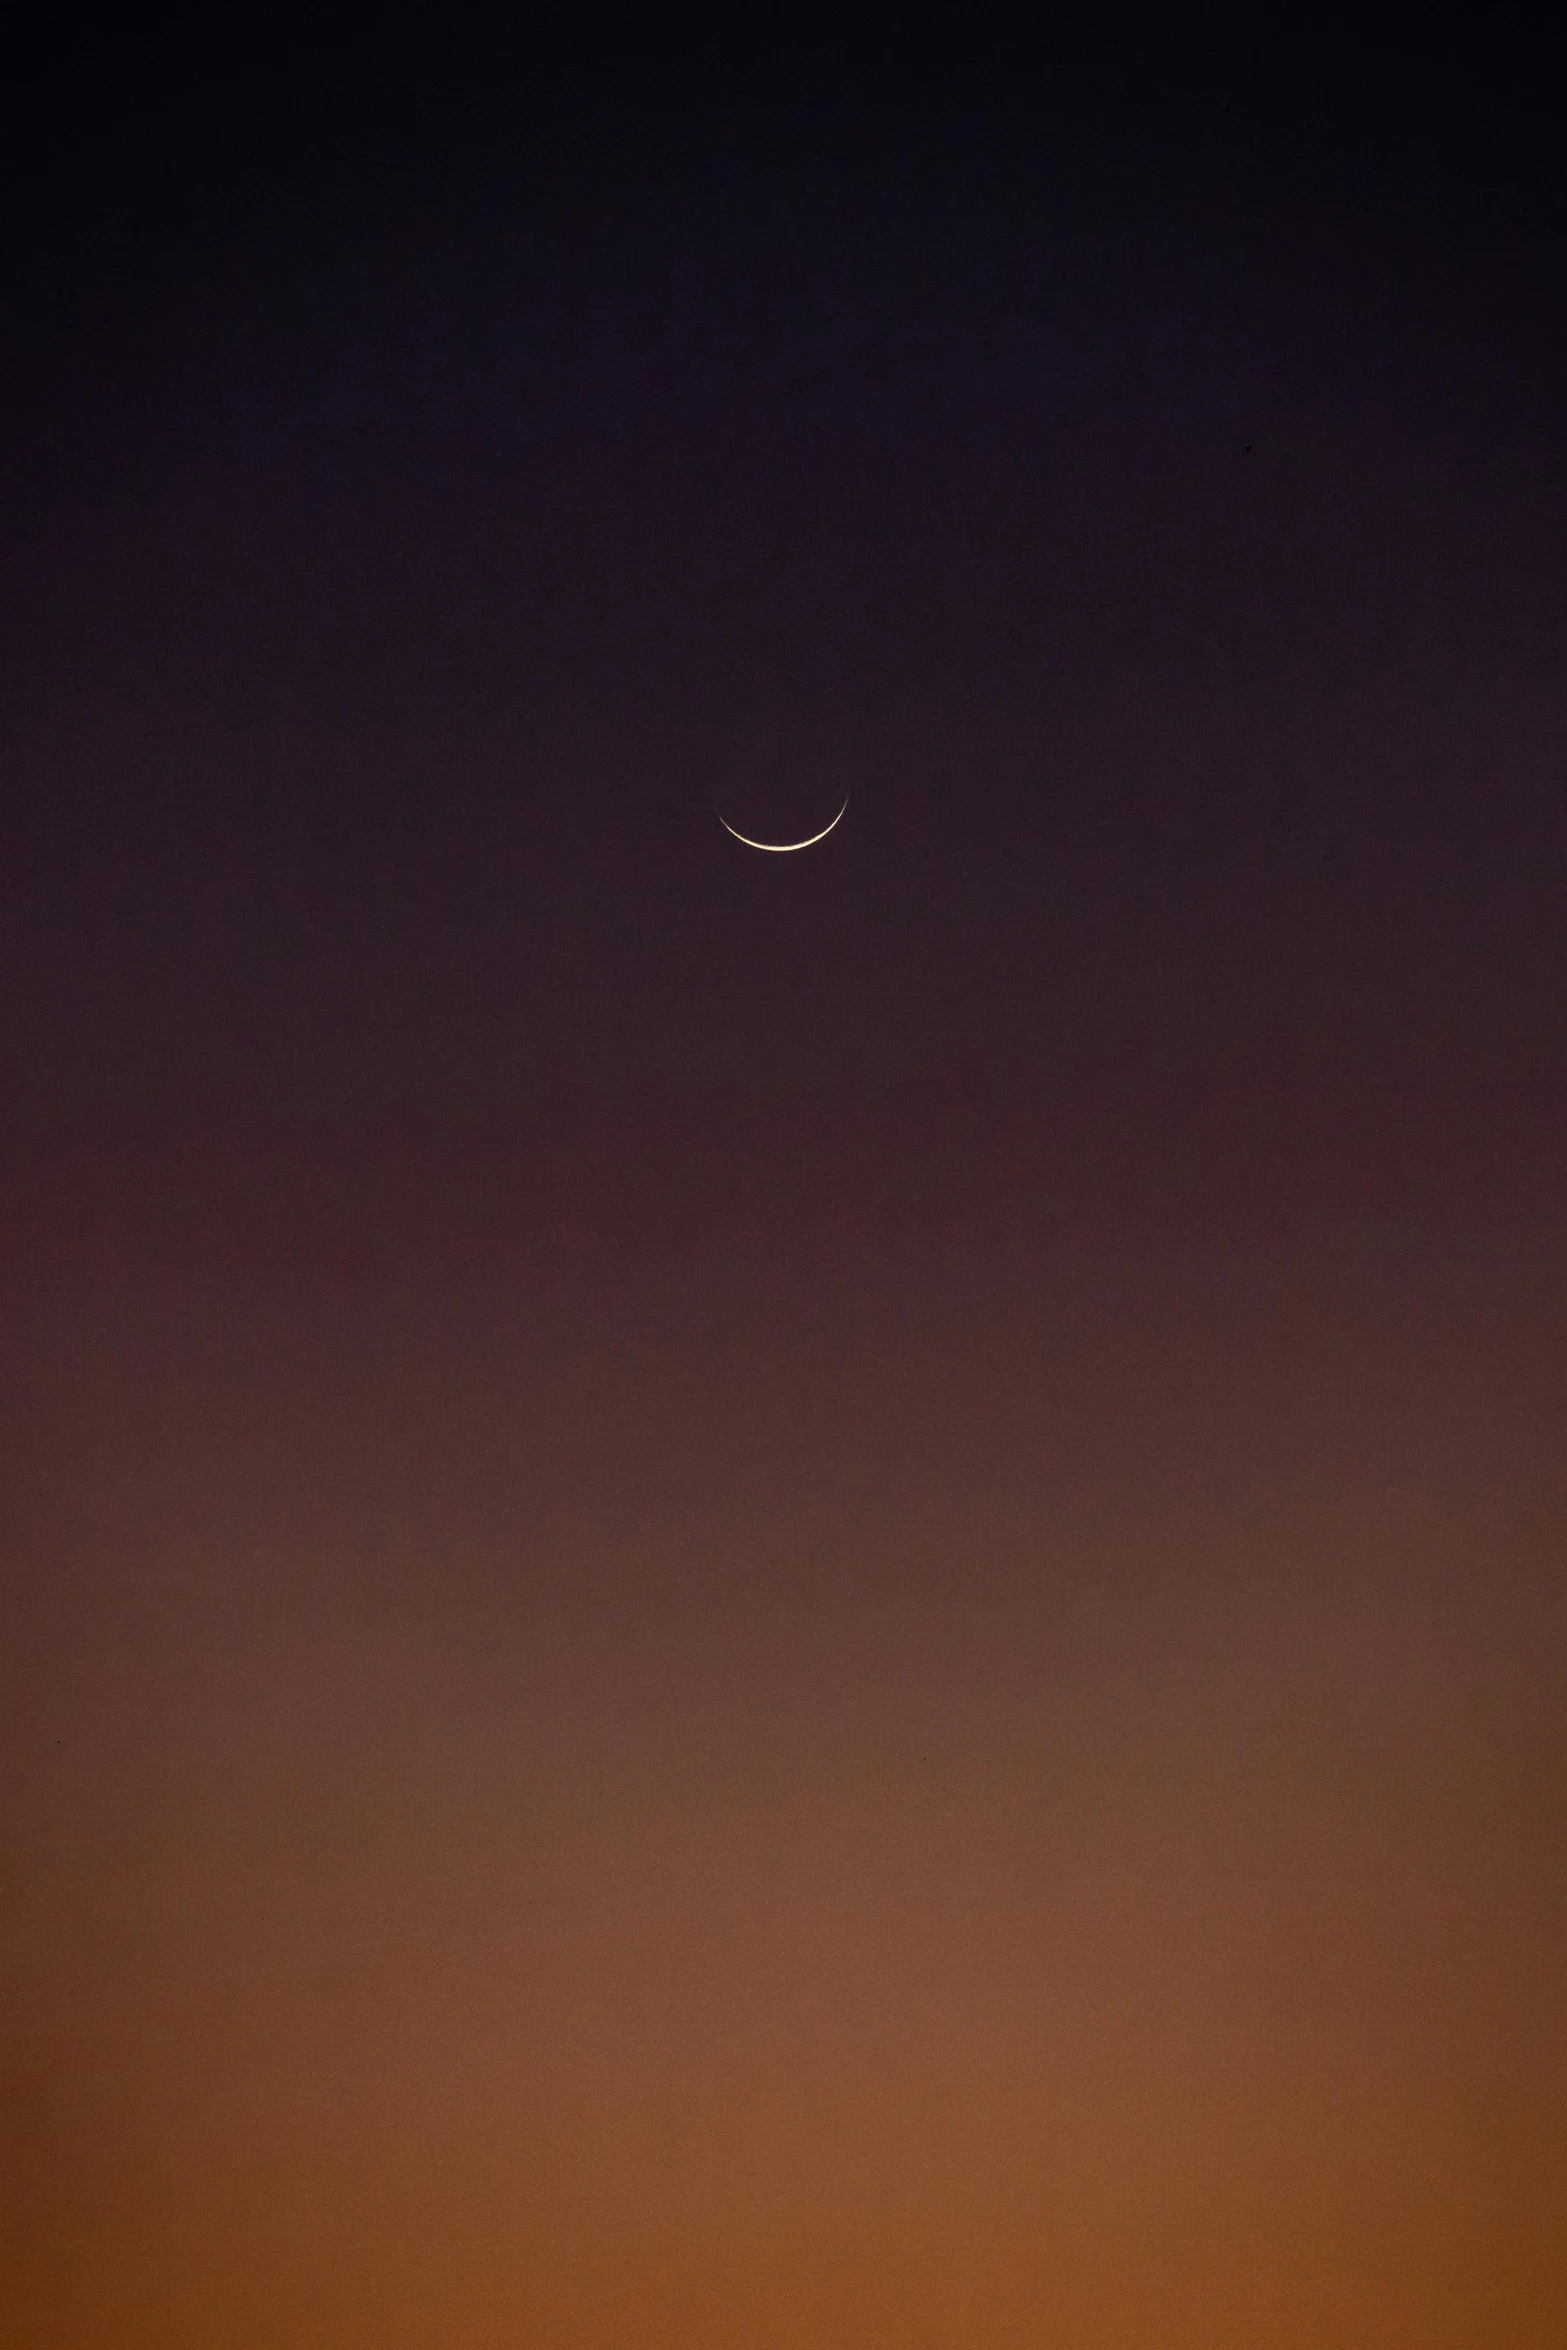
(815, 1609)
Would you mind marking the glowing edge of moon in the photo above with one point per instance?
(784, 848)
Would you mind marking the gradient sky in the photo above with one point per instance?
(810, 1604)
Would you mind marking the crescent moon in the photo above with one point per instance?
(784, 848)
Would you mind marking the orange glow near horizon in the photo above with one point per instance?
(1014, 1834)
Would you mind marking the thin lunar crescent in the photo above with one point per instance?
(784, 848)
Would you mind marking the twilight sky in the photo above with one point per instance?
(806, 1604)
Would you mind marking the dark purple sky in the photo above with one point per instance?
(801, 1602)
